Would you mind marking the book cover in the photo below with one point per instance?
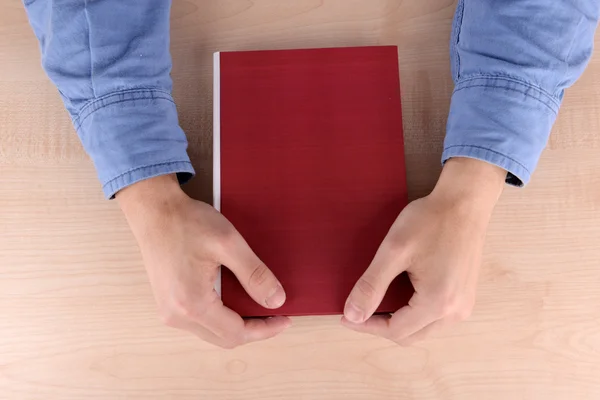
(309, 167)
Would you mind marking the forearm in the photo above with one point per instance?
(110, 61)
(511, 62)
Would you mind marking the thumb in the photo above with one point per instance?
(369, 290)
(256, 278)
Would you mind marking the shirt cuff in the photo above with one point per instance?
(500, 120)
(132, 135)
(183, 169)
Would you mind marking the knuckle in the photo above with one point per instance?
(168, 318)
(228, 345)
(193, 308)
(201, 307)
(464, 312)
(188, 314)
(182, 306)
(366, 287)
(234, 336)
(259, 276)
(397, 248)
(226, 237)
(447, 304)
(400, 247)
(398, 339)
(404, 342)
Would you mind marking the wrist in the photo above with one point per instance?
(471, 185)
(157, 195)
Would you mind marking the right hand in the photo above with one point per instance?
(183, 243)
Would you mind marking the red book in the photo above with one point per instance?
(309, 167)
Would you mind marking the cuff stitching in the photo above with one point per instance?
(183, 169)
(464, 83)
(491, 151)
(514, 90)
(145, 166)
(116, 98)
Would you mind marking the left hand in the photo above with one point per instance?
(438, 240)
(183, 242)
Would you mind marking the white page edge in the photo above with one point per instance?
(217, 145)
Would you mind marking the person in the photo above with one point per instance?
(511, 61)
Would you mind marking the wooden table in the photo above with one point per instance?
(77, 319)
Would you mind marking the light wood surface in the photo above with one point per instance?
(77, 319)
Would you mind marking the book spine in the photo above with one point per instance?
(217, 144)
(217, 131)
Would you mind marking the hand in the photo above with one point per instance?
(183, 243)
(438, 240)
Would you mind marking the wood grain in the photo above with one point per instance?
(77, 319)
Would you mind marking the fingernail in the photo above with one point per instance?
(276, 298)
(353, 313)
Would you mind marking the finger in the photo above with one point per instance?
(423, 333)
(185, 323)
(265, 328)
(374, 325)
(229, 326)
(207, 335)
(369, 290)
(256, 329)
(403, 323)
(258, 280)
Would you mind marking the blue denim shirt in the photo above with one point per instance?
(511, 62)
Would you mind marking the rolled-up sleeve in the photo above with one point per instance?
(110, 61)
(511, 62)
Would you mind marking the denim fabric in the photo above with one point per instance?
(511, 61)
(110, 61)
